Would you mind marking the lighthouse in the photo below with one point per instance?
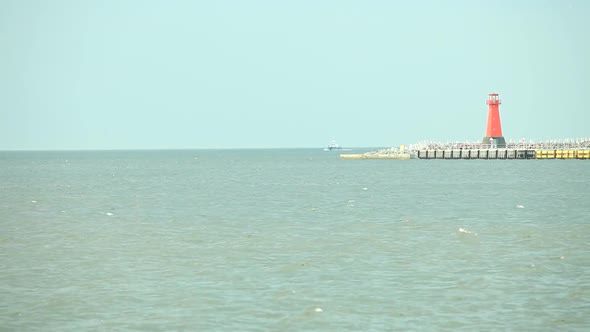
(494, 129)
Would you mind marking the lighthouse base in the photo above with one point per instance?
(498, 142)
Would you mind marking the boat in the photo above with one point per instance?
(333, 147)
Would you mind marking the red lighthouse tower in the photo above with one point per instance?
(494, 129)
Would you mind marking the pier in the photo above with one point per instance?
(502, 154)
(567, 149)
(570, 149)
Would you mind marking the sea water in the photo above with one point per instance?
(291, 240)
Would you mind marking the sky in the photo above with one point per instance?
(141, 74)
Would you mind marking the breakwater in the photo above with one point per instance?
(502, 154)
(567, 149)
(554, 149)
(379, 154)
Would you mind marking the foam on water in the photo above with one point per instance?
(463, 230)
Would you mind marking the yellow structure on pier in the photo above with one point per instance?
(562, 154)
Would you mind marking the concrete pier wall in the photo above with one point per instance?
(455, 154)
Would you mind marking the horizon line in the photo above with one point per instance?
(183, 149)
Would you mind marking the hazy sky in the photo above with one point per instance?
(124, 74)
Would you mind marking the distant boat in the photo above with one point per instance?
(333, 147)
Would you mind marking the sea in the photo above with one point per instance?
(291, 240)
